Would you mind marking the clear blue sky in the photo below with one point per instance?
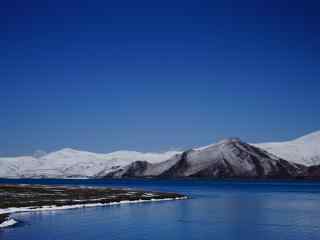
(156, 75)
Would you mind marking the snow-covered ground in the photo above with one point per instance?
(304, 150)
(73, 163)
(86, 205)
(8, 223)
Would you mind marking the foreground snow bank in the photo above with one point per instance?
(8, 223)
(53, 207)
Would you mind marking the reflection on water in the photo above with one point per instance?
(217, 210)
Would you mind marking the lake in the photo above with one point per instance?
(217, 210)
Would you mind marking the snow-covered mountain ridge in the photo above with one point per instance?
(230, 158)
(73, 163)
(304, 150)
(227, 158)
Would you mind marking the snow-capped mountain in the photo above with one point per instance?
(73, 163)
(304, 150)
(226, 159)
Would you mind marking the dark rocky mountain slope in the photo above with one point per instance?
(227, 159)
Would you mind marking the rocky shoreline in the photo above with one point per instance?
(29, 198)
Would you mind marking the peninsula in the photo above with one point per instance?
(28, 198)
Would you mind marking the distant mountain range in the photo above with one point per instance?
(231, 158)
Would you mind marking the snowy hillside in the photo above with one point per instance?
(226, 159)
(304, 150)
(73, 163)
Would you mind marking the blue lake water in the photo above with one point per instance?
(217, 210)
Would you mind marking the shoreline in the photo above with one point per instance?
(37, 198)
(10, 222)
(12, 210)
(6, 221)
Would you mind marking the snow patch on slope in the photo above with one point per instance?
(304, 150)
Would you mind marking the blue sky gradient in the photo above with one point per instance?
(156, 75)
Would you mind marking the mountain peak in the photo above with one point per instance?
(229, 141)
(68, 150)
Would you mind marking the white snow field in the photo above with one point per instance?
(70, 163)
(304, 150)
